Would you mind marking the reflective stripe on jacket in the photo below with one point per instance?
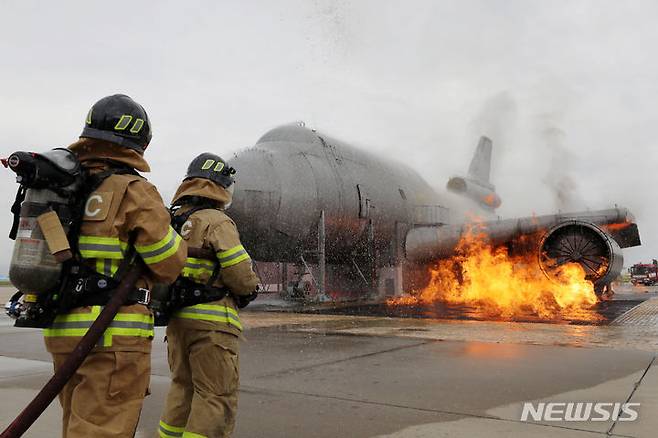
(160, 250)
(109, 251)
(233, 256)
(212, 313)
(198, 270)
(124, 324)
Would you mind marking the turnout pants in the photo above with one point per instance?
(203, 398)
(104, 397)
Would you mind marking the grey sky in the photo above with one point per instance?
(567, 90)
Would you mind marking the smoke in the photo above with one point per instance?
(559, 177)
(497, 119)
(528, 127)
(332, 27)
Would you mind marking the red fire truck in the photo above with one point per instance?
(645, 274)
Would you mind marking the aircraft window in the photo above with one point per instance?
(404, 195)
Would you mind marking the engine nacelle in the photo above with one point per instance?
(484, 194)
(583, 243)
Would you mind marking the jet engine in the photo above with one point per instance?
(591, 238)
(583, 243)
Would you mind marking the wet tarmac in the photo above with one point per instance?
(603, 313)
(326, 375)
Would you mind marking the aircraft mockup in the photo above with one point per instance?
(303, 197)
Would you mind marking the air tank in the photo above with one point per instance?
(48, 181)
(33, 269)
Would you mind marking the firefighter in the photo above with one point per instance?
(123, 215)
(203, 334)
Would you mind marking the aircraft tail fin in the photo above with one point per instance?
(480, 168)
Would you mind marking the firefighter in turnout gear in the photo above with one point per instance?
(123, 215)
(203, 333)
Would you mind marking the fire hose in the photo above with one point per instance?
(50, 390)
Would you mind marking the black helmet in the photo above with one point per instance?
(212, 167)
(121, 120)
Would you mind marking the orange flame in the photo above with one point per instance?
(618, 226)
(502, 286)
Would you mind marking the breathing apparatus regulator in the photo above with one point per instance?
(46, 212)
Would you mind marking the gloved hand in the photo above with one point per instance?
(243, 300)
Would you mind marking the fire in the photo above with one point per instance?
(499, 285)
(618, 226)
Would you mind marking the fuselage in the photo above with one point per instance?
(293, 174)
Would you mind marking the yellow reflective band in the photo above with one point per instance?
(161, 250)
(94, 311)
(226, 309)
(137, 126)
(97, 254)
(157, 245)
(123, 122)
(114, 267)
(118, 331)
(230, 252)
(193, 435)
(107, 267)
(168, 431)
(210, 312)
(123, 324)
(236, 260)
(232, 256)
(135, 317)
(197, 268)
(196, 274)
(97, 247)
(101, 240)
(194, 261)
(50, 332)
(187, 314)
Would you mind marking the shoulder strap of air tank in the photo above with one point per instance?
(92, 182)
(16, 211)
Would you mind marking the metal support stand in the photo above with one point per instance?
(307, 269)
(366, 283)
(263, 282)
(371, 256)
(322, 262)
